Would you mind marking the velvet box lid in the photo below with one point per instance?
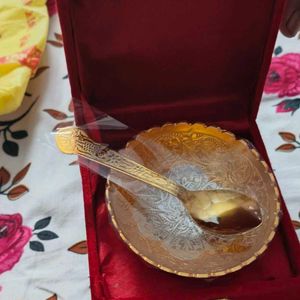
(151, 62)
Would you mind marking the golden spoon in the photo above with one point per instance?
(222, 211)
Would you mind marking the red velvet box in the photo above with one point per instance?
(148, 62)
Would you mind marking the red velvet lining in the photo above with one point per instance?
(151, 62)
(170, 60)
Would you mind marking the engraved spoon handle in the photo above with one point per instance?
(101, 154)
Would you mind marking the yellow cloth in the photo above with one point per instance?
(23, 34)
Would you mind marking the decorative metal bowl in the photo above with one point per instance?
(156, 226)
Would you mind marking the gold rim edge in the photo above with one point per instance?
(212, 274)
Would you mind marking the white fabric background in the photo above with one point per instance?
(55, 190)
(286, 165)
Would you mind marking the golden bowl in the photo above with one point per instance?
(156, 226)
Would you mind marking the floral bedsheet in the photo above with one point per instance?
(43, 251)
(279, 121)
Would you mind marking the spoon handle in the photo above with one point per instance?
(101, 154)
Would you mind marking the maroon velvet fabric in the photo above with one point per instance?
(164, 61)
(155, 61)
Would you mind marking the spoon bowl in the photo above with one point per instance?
(223, 211)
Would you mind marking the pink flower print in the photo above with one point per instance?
(283, 77)
(13, 237)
